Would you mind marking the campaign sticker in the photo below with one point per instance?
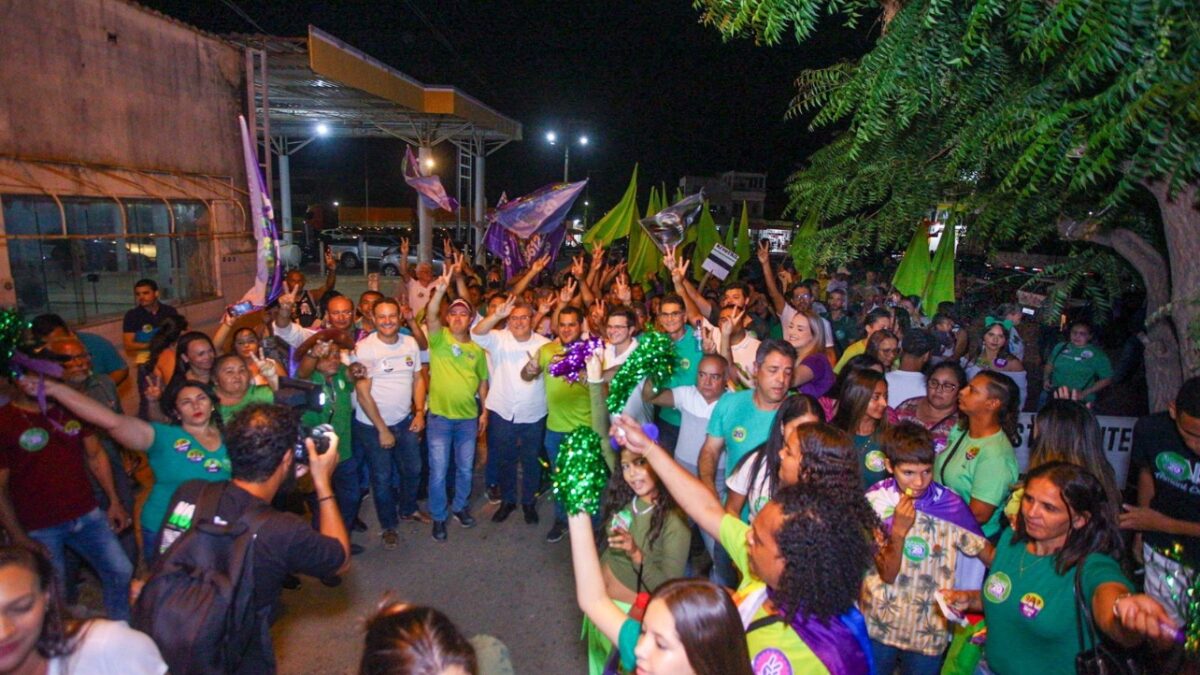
(34, 439)
(1173, 465)
(997, 587)
(72, 427)
(972, 452)
(739, 434)
(874, 461)
(916, 549)
(1031, 605)
(147, 328)
(408, 362)
(183, 445)
(1087, 354)
(212, 465)
(195, 455)
(684, 364)
(771, 662)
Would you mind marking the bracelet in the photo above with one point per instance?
(325, 497)
(1121, 597)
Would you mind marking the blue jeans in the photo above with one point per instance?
(406, 456)
(553, 440)
(511, 442)
(347, 488)
(90, 537)
(888, 657)
(445, 436)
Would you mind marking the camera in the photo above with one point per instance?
(320, 437)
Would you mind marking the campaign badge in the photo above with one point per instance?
(195, 455)
(684, 364)
(72, 427)
(183, 445)
(739, 434)
(1173, 465)
(771, 662)
(212, 465)
(1031, 605)
(874, 461)
(972, 452)
(916, 549)
(408, 362)
(997, 587)
(147, 328)
(34, 439)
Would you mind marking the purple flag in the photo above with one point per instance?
(429, 187)
(268, 277)
(524, 229)
(938, 501)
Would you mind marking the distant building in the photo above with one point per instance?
(726, 193)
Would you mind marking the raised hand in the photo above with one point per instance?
(457, 267)
(373, 281)
(505, 309)
(629, 435)
(265, 366)
(764, 254)
(540, 264)
(577, 269)
(904, 516)
(447, 248)
(546, 304)
(532, 368)
(404, 246)
(622, 291)
(320, 350)
(441, 283)
(785, 279)
(568, 291)
(597, 252)
(153, 390)
(330, 261)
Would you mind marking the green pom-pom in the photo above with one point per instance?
(13, 327)
(581, 474)
(654, 357)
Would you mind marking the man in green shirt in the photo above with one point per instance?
(568, 403)
(457, 372)
(338, 387)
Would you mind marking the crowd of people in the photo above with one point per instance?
(826, 481)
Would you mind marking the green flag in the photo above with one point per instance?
(706, 238)
(940, 286)
(801, 250)
(678, 196)
(618, 221)
(913, 271)
(645, 260)
(741, 243)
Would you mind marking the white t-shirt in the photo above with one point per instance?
(612, 359)
(509, 396)
(110, 648)
(693, 425)
(903, 385)
(393, 369)
(786, 317)
(744, 352)
(418, 294)
(756, 491)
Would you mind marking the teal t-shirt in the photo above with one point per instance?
(870, 459)
(177, 457)
(687, 364)
(338, 411)
(743, 426)
(627, 641)
(1030, 608)
(978, 468)
(257, 393)
(455, 371)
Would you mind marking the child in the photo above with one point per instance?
(927, 526)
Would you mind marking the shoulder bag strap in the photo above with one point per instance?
(941, 477)
(763, 622)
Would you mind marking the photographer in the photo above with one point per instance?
(261, 440)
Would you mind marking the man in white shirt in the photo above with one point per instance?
(695, 404)
(619, 327)
(516, 408)
(908, 381)
(389, 417)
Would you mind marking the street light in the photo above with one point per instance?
(337, 204)
(322, 129)
(552, 139)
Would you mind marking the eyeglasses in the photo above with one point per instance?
(670, 315)
(941, 386)
(613, 326)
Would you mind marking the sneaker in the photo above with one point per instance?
(439, 530)
(493, 494)
(557, 532)
(417, 516)
(356, 549)
(531, 516)
(464, 518)
(358, 525)
(503, 512)
(291, 582)
(391, 540)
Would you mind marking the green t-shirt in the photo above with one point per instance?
(844, 330)
(1030, 608)
(569, 405)
(744, 427)
(688, 355)
(627, 641)
(853, 350)
(1079, 367)
(338, 411)
(774, 648)
(177, 457)
(871, 460)
(257, 393)
(455, 371)
(979, 468)
(663, 560)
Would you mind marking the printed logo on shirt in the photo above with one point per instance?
(874, 461)
(997, 587)
(684, 364)
(147, 328)
(34, 439)
(739, 434)
(1031, 605)
(196, 455)
(771, 662)
(72, 427)
(456, 350)
(916, 549)
(212, 465)
(1087, 354)
(972, 452)
(408, 362)
(760, 503)
(183, 445)
(1174, 466)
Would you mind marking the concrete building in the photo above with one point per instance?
(727, 191)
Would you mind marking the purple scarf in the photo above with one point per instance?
(842, 644)
(938, 501)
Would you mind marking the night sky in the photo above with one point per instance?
(644, 80)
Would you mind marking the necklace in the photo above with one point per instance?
(633, 507)
(1022, 566)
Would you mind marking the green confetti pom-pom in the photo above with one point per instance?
(654, 357)
(13, 327)
(581, 475)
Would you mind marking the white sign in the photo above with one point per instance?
(720, 262)
(1116, 437)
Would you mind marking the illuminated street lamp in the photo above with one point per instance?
(552, 139)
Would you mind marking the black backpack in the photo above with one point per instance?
(198, 604)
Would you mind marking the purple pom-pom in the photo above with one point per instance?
(573, 364)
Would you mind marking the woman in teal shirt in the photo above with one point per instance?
(189, 449)
(1066, 532)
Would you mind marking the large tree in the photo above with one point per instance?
(1069, 119)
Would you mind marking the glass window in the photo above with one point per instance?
(81, 262)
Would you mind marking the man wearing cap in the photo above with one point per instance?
(458, 372)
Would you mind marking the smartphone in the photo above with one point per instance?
(621, 521)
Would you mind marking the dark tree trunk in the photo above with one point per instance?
(1181, 228)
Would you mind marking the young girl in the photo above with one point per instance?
(862, 413)
(648, 539)
(993, 355)
(758, 475)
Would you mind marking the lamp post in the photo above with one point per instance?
(552, 139)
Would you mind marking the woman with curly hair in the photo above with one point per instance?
(759, 474)
(862, 412)
(648, 540)
(39, 637)
(796, 599)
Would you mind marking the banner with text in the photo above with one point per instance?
(1116, 435)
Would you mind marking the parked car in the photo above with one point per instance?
(389, 265)
(346, 248)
